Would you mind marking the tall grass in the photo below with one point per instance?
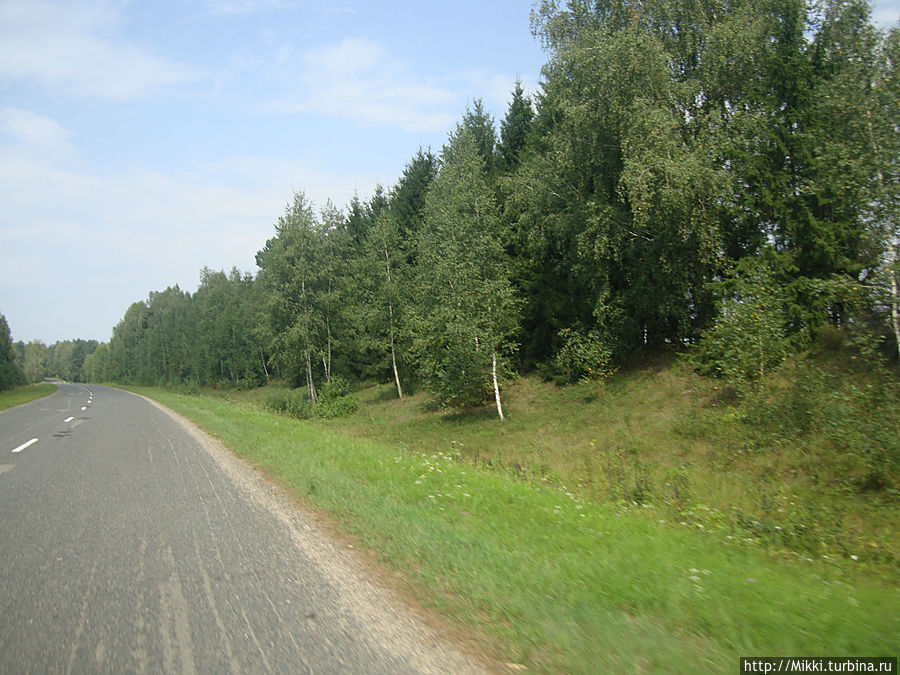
(24, 394)
(556, 580)
(809, 466)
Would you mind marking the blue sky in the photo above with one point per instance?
(140, 141)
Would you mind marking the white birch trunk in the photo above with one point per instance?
(310, 386)
(387, 271)
(396, 374)
(262, 358)
(892, 245)
(496, 386)
(327, 364)
(895, 296)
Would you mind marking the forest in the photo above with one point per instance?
(708, 177)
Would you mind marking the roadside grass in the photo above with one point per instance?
(557, 578)
(662, 436)
(24, 394)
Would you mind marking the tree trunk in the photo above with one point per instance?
(328, 363)
(895, 292)
(262, 358)
(396, 374)
(387, 272)
(496, 387)
(891, 237)
(310, 386)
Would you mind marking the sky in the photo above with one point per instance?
(143, 140)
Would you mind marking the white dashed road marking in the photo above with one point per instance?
(26, 445)
(68, 419)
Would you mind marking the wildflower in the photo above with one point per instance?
(854, 557)
(751, 580)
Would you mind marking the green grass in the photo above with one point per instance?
(555, 577)
(24, 394)
(662, 436)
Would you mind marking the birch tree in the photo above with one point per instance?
(466, 311)
(383, 270)
(290, 272)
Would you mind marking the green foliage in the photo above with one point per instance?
(854, 414)
(465, 310)
(514, 130)
(11, 374)
(67, 358)
(749, 338)
(335, 406)
(337, 387)
(334, 400)
(584, 355)
(291, 402)
(722, 173)
(37, 361)
(407, 203)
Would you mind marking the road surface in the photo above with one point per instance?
(131, 542)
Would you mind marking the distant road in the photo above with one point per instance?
(129, 542)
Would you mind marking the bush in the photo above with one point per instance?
(854, 414)
(750, 337)
(338, 406)
(335, 399)
(294, 403)
(336, 387)
(584, 355)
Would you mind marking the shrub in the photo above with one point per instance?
(338, 406)
(294, 403)
(335, 399)
(584, 355)
(750, 337)
(335, 387)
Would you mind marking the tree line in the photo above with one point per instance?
(691, 172)
(21, 363)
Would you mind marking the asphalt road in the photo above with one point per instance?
(130, 542)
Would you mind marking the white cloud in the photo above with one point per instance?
(356, 79)
(63, 45)
(103, 241)
(26, 128)
(246, 6)
(359, 80)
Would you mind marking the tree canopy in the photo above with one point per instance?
(681, 164)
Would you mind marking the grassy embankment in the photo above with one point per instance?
(519, 531)
(24, 394)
